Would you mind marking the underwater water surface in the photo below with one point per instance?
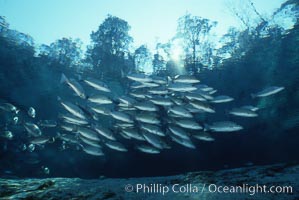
(101, 115)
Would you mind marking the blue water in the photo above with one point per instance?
(27, 80)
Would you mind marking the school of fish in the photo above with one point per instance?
(155, 113)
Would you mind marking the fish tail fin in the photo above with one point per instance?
(58, 98)
(80, 79)
(63, 79)
(109, 112)
(52, 140)
(169, 79)
(58, 135)
(253, 96)
(115, 100)
(206, 127)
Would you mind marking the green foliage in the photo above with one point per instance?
(142, 58)
(110, 47)
(159, 65)
(65, 51)
(194, 32)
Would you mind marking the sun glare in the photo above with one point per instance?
(176, 52)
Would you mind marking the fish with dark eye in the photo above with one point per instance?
(31, 112)
(33, 129)
(9, 108)
(7, 135)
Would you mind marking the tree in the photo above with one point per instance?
(65, 51)
(110, 46)
(4, 25)
(142, 58)
(194, 32)
(159, 64)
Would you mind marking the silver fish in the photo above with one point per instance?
(158, 91)
(152, 129)
(133, 133)
(73, 109)
(150, 85)
(98, 85)
(100, 99)
(161, 101)
(74, 85)
(185, 79)
(147, 118)
(146, 106)
(180, 111)
(9, 107)
(138, 94)
(7, 134)
(116, 146)
(159, 80)
(155, 140)
(31, 112)
(204, 88)
(194, 96)
(183, 141)
(204, 136)
(205, 95)
(124, 125)
(181, 87)
(88, 133)
(127, 100)
(32, 129)
(178, 132)
(139, 78)
(222, 99)
(225, 126)
(68, 127)
(121, 116)
(242, 112)
(268, 91)
(90, 142)
(252, 108)
(40, 140)
(73, 119)
(188, 123)
(91, 150)
(104, 132)
(68, 138)
(202, 106)
(99, 109)
(148, 149)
